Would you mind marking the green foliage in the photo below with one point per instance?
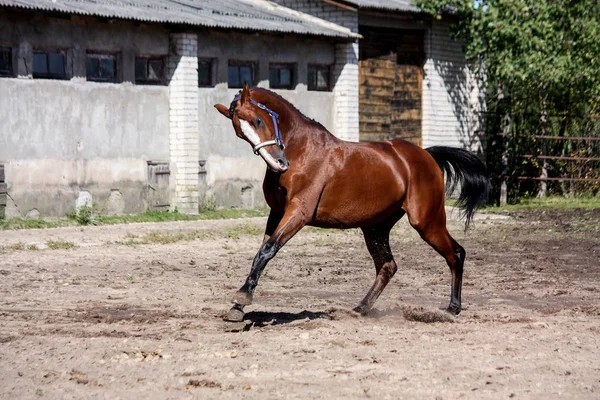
(541, 62)
(83, 216)
(530, 44)
(208, 203)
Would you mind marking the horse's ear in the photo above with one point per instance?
(245, 94)
(223, 110)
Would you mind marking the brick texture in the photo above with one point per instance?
(452, 97)
(184, 125)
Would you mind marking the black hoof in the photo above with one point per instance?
(235, 314)
(453, 309)
(362, 310)
(242, 298)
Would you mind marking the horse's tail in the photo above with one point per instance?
(463, 166)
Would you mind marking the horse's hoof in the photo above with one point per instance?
(242, 298)
(453, 309)
(234, 315)
(362, 310)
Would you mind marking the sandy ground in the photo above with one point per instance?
(135, 312)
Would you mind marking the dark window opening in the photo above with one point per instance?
(405, 47)
(6, 61)
(205, 73)
(101, 67)
(150, 70)
(281, 76)
(49, 64)
(319, 77)
(240, 72)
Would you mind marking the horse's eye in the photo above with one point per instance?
(258, 122)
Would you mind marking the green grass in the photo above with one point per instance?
(60, 244)
(149, 216)
(553, 202)
(25, 223)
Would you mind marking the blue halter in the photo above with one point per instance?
(274, 117)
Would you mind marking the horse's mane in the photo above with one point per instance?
(292, 107)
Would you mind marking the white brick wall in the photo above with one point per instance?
(184, 124)
(345, 69)
(451, 95)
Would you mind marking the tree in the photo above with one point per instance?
(544, 54)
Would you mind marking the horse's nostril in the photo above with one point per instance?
(283, 163)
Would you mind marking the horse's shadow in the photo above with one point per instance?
(260, 319)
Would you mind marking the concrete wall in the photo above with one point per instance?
(61, 139)
(234, 174)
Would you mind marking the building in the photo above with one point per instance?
(412, 78)
(110, 103)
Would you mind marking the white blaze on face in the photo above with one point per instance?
(254, 139)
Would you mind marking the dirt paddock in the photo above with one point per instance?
(135, 312)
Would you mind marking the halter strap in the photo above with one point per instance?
(275, 118)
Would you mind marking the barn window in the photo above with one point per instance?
(319, 77)
(49, 64)
(281, 76)
(101, 67)
(6, 61)
(150, 70)
(240, 72)
(205, 72)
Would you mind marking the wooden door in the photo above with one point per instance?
(390, 79)
(158, 185)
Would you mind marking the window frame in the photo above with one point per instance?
(319, 67)
(211, 64)
(49, 75)
(103, 55)
(238, 64)
(10, 71)
(147, 59)
(280, 66)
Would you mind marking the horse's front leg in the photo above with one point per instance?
(288, 225)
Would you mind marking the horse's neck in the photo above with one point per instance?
(300, 128)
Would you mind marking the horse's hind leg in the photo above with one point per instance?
(433, 230)
(377, 239)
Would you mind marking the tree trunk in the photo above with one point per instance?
(504, 158)
(543, 188)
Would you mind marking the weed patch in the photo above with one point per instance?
(60, 244)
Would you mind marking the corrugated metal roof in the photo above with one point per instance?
(257, 15)
(397, 5)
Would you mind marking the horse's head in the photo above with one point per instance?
(257, 125)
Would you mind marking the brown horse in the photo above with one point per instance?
(316, 179)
